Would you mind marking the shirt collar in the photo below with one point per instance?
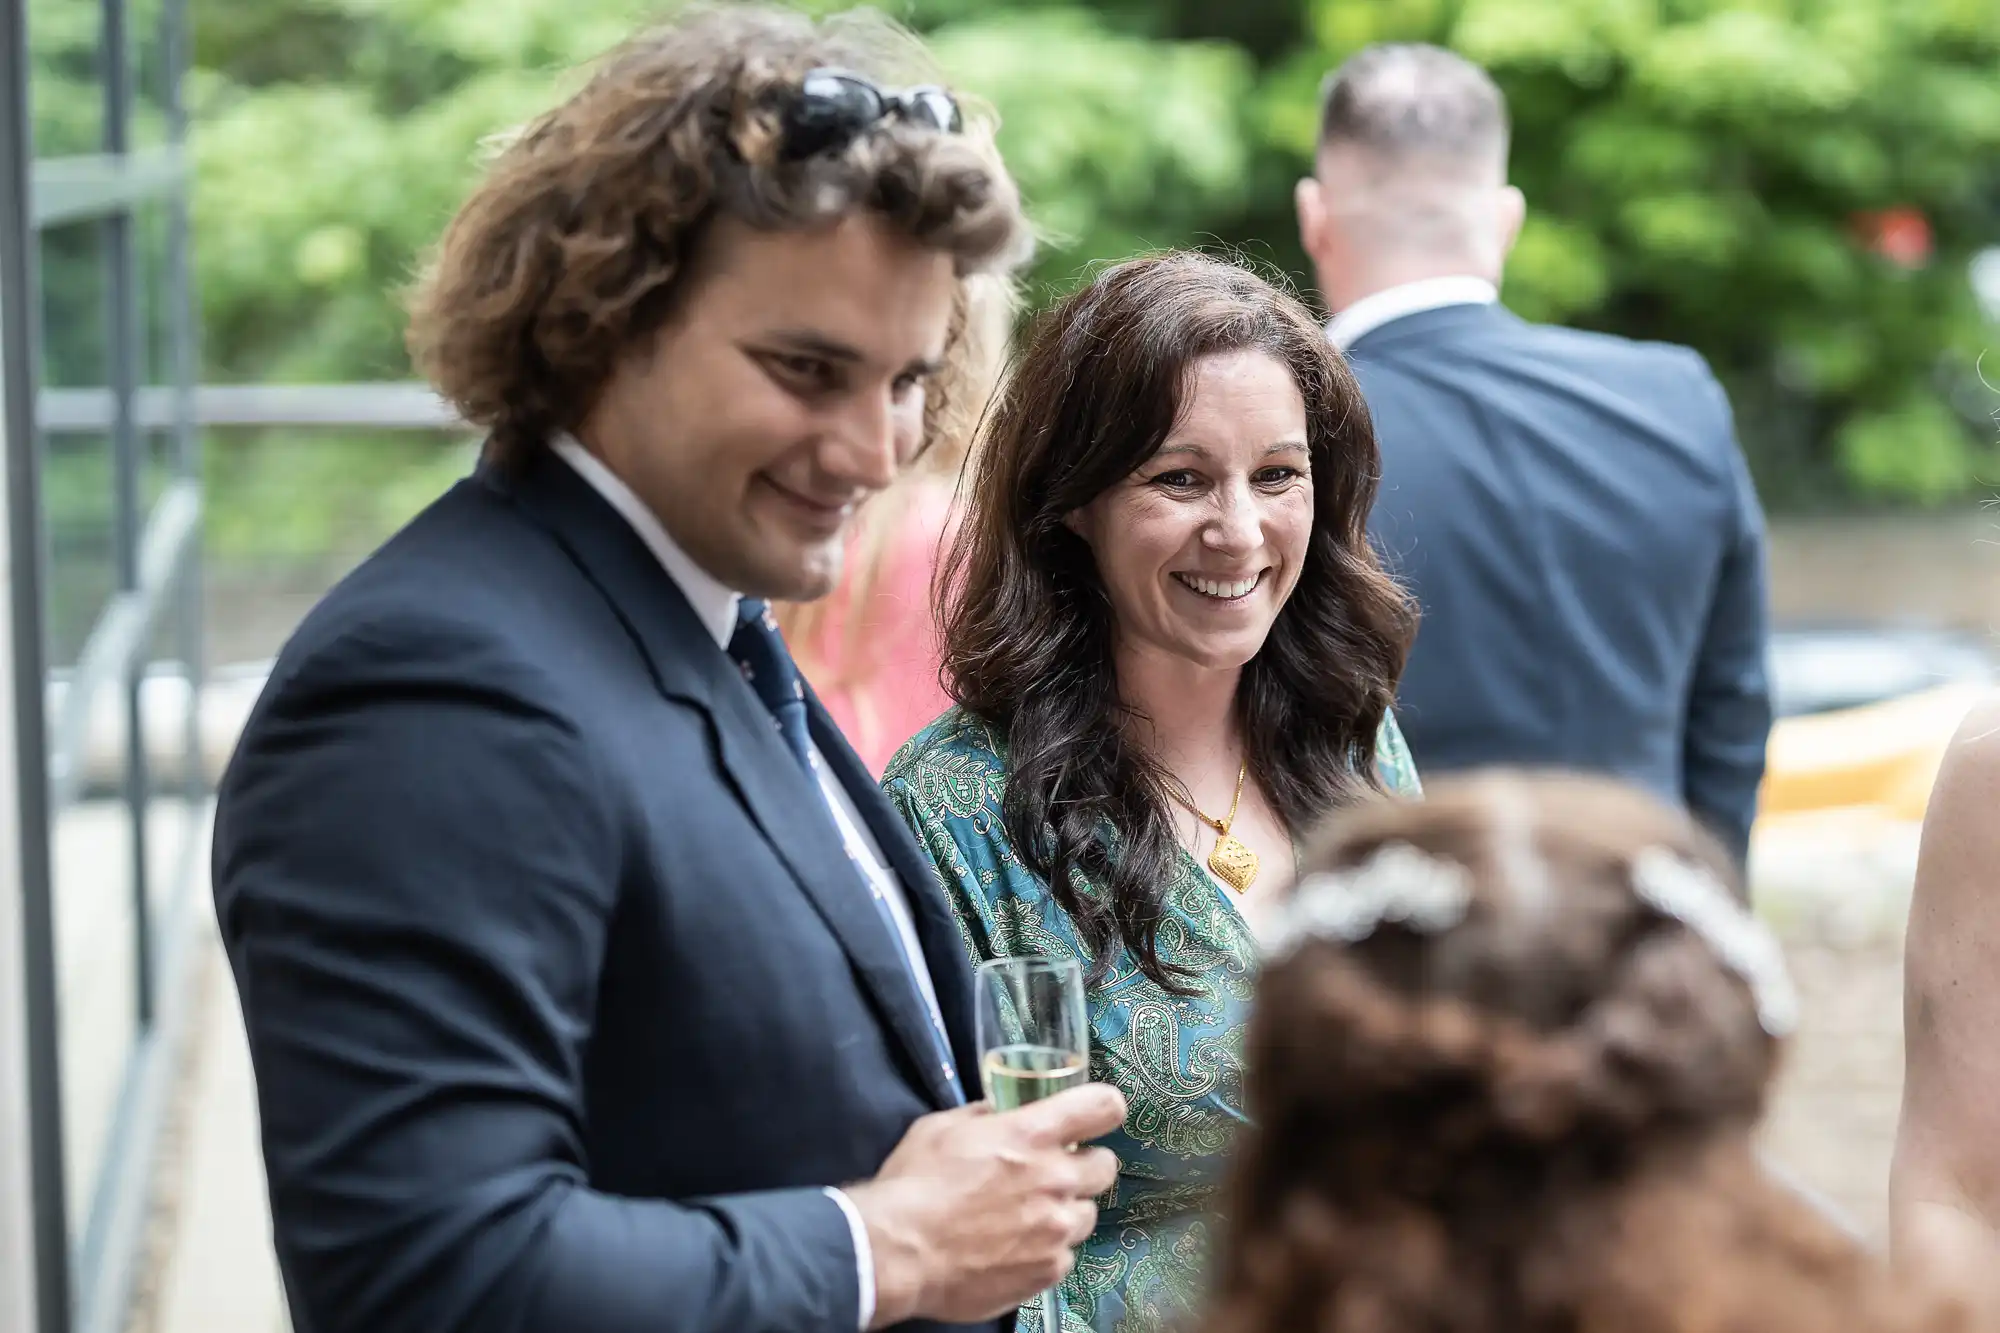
(713, 604)
(1409, 298)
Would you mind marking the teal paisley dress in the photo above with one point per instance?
(1178, 1060)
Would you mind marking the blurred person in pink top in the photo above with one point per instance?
(870, 648)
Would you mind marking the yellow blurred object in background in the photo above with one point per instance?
(1883, 756)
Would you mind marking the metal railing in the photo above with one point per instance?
(127, 622)
(83, 1267)
(386, 405)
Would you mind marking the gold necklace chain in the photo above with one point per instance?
(1231, 861)
(1219, 825)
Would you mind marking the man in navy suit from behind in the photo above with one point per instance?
(1571, 509)
(591, 985)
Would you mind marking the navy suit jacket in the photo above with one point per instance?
(1573, 512)
(563, 996)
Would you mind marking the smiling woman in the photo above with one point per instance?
(1172, 650)
(1200, 548)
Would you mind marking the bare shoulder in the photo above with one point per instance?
(1951, 997)
(1965, 802)
(1958, 867)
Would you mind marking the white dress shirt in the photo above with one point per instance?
(1409, 298)
(715, 606)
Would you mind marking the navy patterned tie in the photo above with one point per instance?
(759, 649)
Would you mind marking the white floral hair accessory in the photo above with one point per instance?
(1694, 897)
(1398, 883)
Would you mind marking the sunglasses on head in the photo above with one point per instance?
(833, 108)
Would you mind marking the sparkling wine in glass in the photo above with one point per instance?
(1034, 1042)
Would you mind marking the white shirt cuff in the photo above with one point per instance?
(864, 1256)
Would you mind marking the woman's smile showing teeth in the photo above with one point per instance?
(1228, 590)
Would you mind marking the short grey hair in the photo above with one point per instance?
(1405, 100)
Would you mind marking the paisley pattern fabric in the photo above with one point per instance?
(1178, 1060)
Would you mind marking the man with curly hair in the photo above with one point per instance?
(590, 984)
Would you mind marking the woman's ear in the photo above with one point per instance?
(1078, 521)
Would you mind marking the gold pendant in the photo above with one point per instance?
(1233, 863)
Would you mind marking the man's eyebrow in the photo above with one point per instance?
(808, 342)
(812, 343)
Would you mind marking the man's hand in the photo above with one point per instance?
(975, 1212)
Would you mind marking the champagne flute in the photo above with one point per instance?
(1034, 1042)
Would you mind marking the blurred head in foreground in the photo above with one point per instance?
(1504, 1068)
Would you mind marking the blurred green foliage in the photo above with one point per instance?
(1697, 170)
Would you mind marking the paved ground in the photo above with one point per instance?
(210, 1268)
(1834, 1121)
(1838, 892)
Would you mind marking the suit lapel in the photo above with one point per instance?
(791, 810)
(781, 797)
(937, 932)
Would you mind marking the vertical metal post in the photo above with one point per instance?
(122, 322)
(20, 378)
(185, 339)
(19, 1216)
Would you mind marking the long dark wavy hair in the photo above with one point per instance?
(1028, 629)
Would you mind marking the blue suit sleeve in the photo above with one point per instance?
(1729, 700)
(415, 872)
